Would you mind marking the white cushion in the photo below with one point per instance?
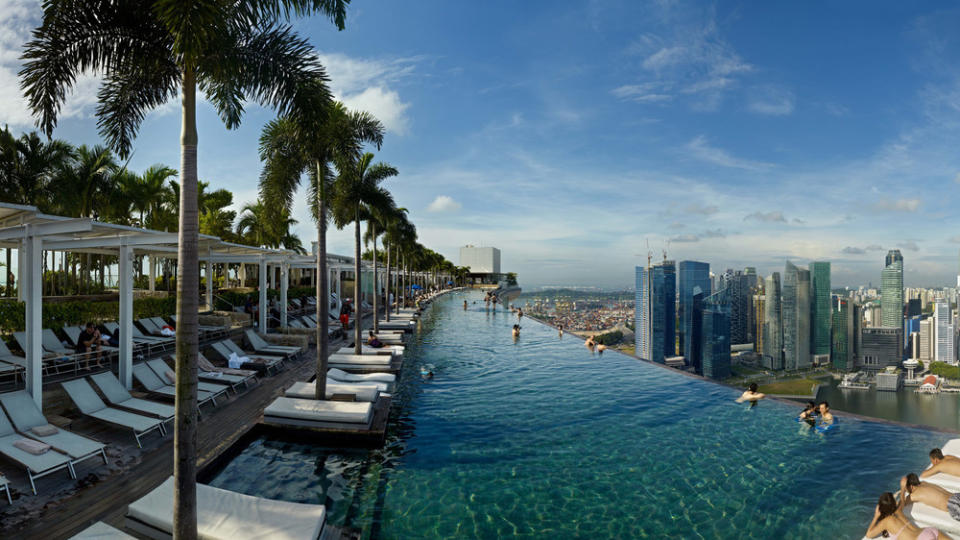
(928, 516)
(307, 390)
(360, 359)
(228, 515)
(341, 375)
(321, 411)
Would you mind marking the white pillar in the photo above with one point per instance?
(125, 286)
(284, 283)
(209, 283)
(242, 274)
(22, 278)
(269, 277)
(30, 281)
(262, 274)
(152, 263)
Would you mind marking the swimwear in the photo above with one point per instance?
(895, 536)
(930, 533)
(953, 506)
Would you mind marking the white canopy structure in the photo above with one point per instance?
(32, 232)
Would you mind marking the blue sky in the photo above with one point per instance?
(573, 134)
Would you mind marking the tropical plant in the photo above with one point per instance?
(149, 52)
(309, 141)
(356, 191)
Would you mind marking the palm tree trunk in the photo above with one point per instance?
(323, 299)
(376, 293)
(358, 344)
(386, 297)
(188, 285)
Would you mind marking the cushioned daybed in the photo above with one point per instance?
(313, 413)
(307, 390)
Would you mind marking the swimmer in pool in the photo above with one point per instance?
(589, 343)
(516, 331)
(751, 394)
(826, 418)
(464, 305)
(600, 348)
(560, 329)
(809, 413)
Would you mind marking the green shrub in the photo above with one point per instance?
(610, 338)
(945, 370)
(12, 316)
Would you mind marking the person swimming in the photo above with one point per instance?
(516, 330)
(751, 395)
(809, 413)
(464, 305)
(600, 348)
(560, 329)
(590, 343)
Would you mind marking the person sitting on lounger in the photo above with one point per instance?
(751, 394)
(372, 341)
(890, 522)
(89, 343)
(942, 464)
(928, 494)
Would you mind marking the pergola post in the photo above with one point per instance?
(209, 275)
(152, 263)
(264, 308)
(31, 279)
(125, 285)
(22, 277)
(284, 283)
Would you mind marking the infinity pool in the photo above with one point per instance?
(539, 438)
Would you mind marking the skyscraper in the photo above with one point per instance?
(795, 309)
(926, 339)
(694, 278)
(716, 336)
(772, 324)
(737, 285)
(943, 338)
(821, 309)
(655, 311)
(891, 291)
(841, 355)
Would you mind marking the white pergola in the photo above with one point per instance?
(32, 232)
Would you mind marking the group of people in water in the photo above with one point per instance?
(813, 414)
(591, 343)
(889, 521)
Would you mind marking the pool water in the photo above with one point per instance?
(539, 438)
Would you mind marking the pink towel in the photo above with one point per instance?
(31, 447)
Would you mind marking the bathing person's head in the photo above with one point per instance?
(824, 407)
(811, 406)
(371, 333)
(913, 482)
(887, 505)
(753, 387)
(90, 326)
(936, 456)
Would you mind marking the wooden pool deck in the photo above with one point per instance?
(107, 499)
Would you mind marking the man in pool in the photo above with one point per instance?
(942, 464)
(751, 394)
(809, 413)
(826, 418)
(929, 494)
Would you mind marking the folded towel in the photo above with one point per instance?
(234, 361)
(166, 331)
(44, 430)
(32, 447)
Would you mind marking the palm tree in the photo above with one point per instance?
(377, 220)
(392, 233)
(148, 52)
(356, 190)
(309, 141)
(146, 191)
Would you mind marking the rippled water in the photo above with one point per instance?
(539, 438)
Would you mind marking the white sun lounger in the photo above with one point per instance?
(101, 531)
(118, 396)
(153, 383)
(948, 482)
(25, 415)
(307, 390)
(268, 364)
(36, 465)
(227, 515)
(261, 346)
(313, 413)
(393, 350)
(90, 404)
(343, 376)
(365, 360)
(928, 516)
(5, 487)
(161, 368)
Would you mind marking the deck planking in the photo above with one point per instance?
(107, 499)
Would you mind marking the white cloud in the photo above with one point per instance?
(771, 101)
(701, 149)
(641, 93)
(768, 217)
(366, 84)
(898, 205)
(444, 203)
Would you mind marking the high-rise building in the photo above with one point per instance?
(821, 309)
(943, 336)
(914, 307)
(716, 336)
(694, 278)
(772, 324)
(796, 317)
(754, 284)
(759, 305)
(926, 340)
(655, 312)
(842, 346)
(882, 348)
(737, 285)
(891, 291)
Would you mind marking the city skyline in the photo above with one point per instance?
(580, 133)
